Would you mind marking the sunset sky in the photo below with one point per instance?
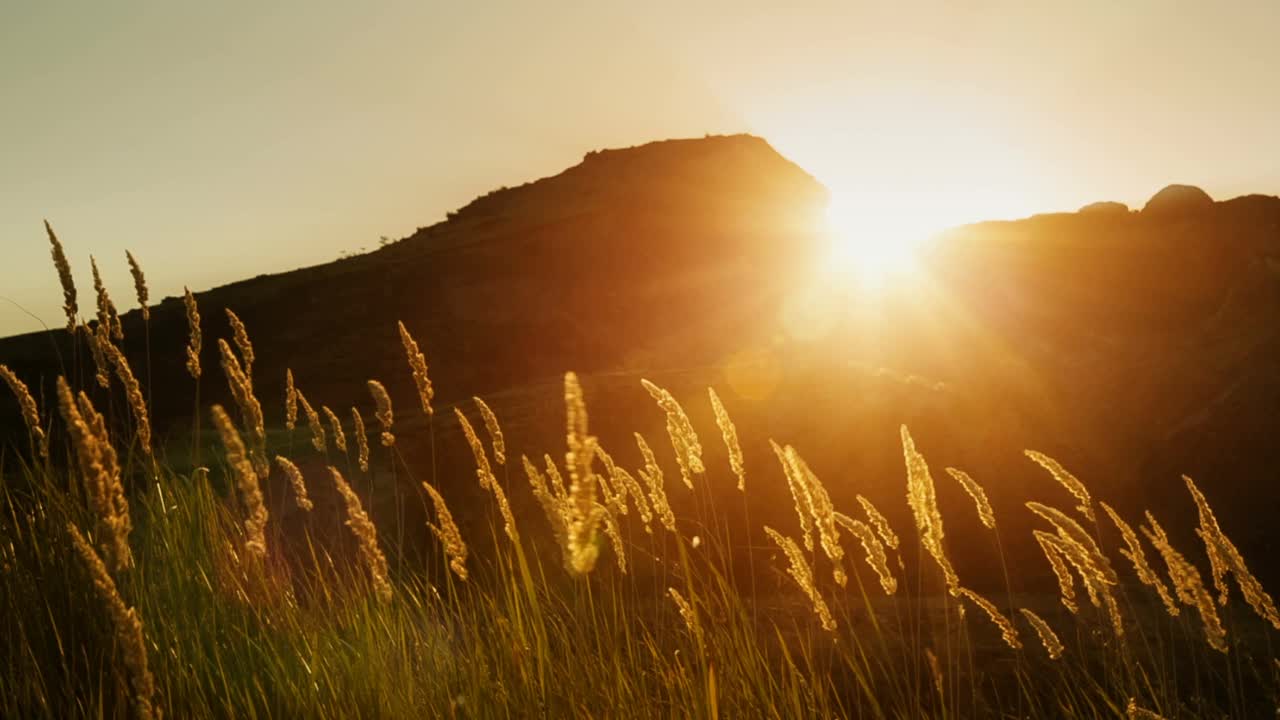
(223, 140)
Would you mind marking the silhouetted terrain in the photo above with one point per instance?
(1132, 346)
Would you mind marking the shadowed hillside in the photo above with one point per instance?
(1132, 346)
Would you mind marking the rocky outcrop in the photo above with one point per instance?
(1177, 200)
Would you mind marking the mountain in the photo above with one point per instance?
(1131, 346)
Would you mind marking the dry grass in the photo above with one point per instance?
(250, 613)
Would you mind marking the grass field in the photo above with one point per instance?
(246, 587)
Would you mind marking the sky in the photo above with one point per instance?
(219, 141)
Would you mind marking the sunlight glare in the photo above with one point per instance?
(873, 239)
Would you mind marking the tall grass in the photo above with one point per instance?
(130, 588)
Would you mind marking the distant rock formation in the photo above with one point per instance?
(1177, 200)
(1106, 207)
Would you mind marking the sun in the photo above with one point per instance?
(874, 239)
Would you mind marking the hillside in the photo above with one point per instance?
(1133, 346)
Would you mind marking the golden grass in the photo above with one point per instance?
(30, 411)
(653, 479)
(585, 510)
(1187, 584)
(799, 570)
(290, 401)
(294, 476)
(384, 413)
(583, 513)
(821, 510)
(319, 438)
(250, 409)
(484, 473)
(1084, 548)
(194, 336)
(1222, 551)
(240, 335)
(687, 613)
(133, 393)
(107, 315)
(335, 427)
(65, 279)
(446, 531)
(799, 494)
(879, 522)
(366, 536)
(98, 341)
(684, 440)
(1048, 637)
(100, 470)
(979, 496)
(362, 439)
(876, 556)
(255, 521)
(495, 431)
(922, 498)
(130, 641)
(418, 365)
(730, 434)
(1051, 545)
(1133, 550)
(1066, 480)
(139, 285)
(1008, 632)
(553, 499)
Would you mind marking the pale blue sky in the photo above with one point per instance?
(222, 140)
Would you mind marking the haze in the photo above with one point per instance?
(220, 141)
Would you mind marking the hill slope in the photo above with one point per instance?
(1131, 345)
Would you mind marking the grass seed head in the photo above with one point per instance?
(1187, 584)
(803, 575)
(126, 624)
(294, 476)
(1138, 557)
(246, 478)
(418, 365)
(194, 336)
(133, 393)
(447, 532)
(684, 440)
(1007, 631)
(879, 522)
(730, 434)
(484, 473)
(1048, 637)
(877, 558)
(922, 497)
(107, 315)
(1228, 558)
(980, 501)
(366, 536)
(139, 285)
(653, 478)
(1066, 480)
(362, 438)
(319, 438)
(65, 278)
(100, 469)
(290, 401)
(384, 413)
(494, 430)
(240, 335)
(30, 412)
(335, 426)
